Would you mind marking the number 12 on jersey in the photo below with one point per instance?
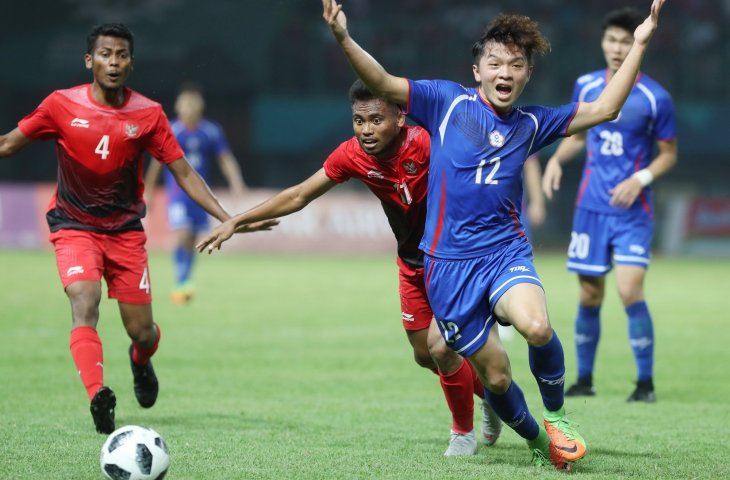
(489, 180)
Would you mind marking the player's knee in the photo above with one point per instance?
(145, 336)
(498, 381)
(445, 358)
(538, 331)
(423, 358)
(630, 294)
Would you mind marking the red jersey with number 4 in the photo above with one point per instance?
(100, 151)
(400, 183)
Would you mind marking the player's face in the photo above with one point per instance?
(616, 44)
(502, 73)
(377, 125)
(110, 62)
(189, 107)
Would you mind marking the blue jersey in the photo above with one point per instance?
(202, 146)
(475, 177)
(617, 149)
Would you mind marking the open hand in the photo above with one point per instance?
(643, 32)
(335, 18)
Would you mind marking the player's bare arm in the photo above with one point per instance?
(283, 203)
(232, 172)
(625, 193)
(192, 184)
(150, 180)
(12, 142)
(379, 81)
(568, 149)
(608, 105)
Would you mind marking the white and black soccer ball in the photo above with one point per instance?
(134, 453)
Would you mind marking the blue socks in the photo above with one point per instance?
(547, 363)
(512, 409)
(641, 336)
(183, 260)
(587, 334)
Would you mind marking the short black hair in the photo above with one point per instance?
(191, 87)
(359, 92)
(627, 18)
(517, 30)
(118, 30)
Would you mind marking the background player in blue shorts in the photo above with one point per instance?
(203, 142)
(478, 263)
(614, 217)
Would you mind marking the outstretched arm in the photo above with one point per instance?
(608, 105)
(283, 203)
(12, 142)
(380, 82)
(568, 149)
(191, 182)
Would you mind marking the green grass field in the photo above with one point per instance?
(297, 367)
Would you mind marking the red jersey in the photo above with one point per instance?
(400, 183)
(100, 151)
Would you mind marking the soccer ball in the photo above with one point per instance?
(134, 453)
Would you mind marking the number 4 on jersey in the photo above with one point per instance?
(103, 147)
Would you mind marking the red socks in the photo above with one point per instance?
(140, 356)
(458, 389)
(478, 386)
(88, 356)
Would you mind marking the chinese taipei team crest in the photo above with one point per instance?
(496, 139)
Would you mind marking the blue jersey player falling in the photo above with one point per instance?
(203, 142)
(478, 263)
(613, 223)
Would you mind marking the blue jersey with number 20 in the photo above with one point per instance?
(475, 177)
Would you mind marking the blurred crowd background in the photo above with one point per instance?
(277, 82)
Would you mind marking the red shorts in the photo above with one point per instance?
(416, 312)
(121, 258)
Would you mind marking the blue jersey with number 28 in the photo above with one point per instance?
(475, 176)
(619, 148)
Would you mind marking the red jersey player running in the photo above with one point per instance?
(101, 131)
(391, 159)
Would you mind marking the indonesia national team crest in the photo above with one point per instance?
(496, 139)
(131, 129)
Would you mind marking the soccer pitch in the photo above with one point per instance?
(297, 367)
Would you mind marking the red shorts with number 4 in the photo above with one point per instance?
(415, 310)
(121, 258)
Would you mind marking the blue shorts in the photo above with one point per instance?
(598, 240)
(185, 214)
(463, 293)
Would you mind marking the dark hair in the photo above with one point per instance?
(118, 30)
(190, 87)
(627, 18)
(517, 30)
(360, 93)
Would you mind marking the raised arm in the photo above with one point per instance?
(608, 105)
(12, 142)
(380, 82)
(283, 203)
(191, 182)
(567, 150)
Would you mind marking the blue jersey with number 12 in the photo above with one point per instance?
(475, 176)
(619, 148)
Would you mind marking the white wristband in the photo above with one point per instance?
(644, 176)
